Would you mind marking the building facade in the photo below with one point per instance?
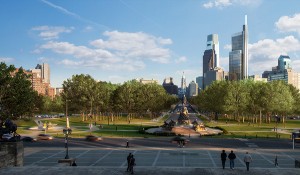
(283, 71)
(238, 57)
(217, 74)
(193, 89)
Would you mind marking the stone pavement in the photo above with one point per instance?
(150, 161)
(88, 170)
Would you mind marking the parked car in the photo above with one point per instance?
(28, 139)
(44, 137)
(92, 138)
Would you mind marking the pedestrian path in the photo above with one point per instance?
(175, 157)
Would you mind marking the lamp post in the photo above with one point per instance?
(67, 132)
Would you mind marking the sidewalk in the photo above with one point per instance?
(79, 170)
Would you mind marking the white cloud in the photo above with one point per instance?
(181, 60)
(121, 51)
(6, 59)
(43, 59)
(263, 54)
(289, 24)
(227, 46)
(51, 32)
(226, 3)
(136, 45)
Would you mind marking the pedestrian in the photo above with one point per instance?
(127, 144)
(128, 162)
(276, 162)
(223, 158)
(74, 163)
(247, 160)
(132, 164)
(231, 158)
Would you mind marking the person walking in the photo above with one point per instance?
(247, 160)
(223, 158)
(132, 164)
(128, 162)
(127, 144)
(231, 158)
(276, 162)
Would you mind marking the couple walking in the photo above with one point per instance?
(232, 156)
(130, 163)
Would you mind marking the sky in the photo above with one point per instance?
(121, 40)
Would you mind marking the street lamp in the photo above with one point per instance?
(67, 132)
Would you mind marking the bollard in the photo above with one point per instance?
(256, 136)
(267, 136)
(245, 135)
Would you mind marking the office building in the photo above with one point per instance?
(283, 71)
(238, 57)
(182, 89)
(193, 89)
(199, 81)
(217, 74)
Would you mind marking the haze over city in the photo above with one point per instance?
(122, 40)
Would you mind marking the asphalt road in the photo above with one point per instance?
(164, 142)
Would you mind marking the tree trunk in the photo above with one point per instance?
(260, 117)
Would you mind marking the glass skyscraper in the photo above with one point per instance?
(238, 57)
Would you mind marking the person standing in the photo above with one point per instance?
(247, 160)
(223, 158)
(231, 158)
(128, 162)
(132, 164)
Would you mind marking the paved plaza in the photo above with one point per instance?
(154, 161)
(177, 157)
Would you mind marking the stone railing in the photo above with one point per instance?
(11, 154)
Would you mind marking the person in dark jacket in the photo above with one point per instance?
(223, 158)
(231, 158)
(128, 161)
(132, 163)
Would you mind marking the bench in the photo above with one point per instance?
(67, 162)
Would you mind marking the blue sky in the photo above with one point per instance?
(119, 40)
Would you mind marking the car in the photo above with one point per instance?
(92, 138)
(44, 137)
(28, 139)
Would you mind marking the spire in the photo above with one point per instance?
(245, 19)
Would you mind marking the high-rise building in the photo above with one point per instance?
(193, 89)
(199, 81)
(170, 87)
(211, 61)
(283, 72)
(238, 57)
(217, 74)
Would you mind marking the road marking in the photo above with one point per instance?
(243, 163)
(287, 155)
(213, 161)
(82, 154)
(272, 163)
(156, 158)
(102, 158)
(183, 159)
(47, 157)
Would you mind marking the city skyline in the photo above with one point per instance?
(130, 40)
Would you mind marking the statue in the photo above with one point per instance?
(183, 118)
(8, 127)
(198, 127)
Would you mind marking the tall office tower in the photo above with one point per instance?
(238, 57)
(284, 62)
(211, 56)
(193, 89)
(199, 81)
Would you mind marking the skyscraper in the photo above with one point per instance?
(44, 72)
(182, 90)
(193, 89)
(238, 57)
(210, 57)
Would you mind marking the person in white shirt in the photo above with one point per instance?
(247, 160)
